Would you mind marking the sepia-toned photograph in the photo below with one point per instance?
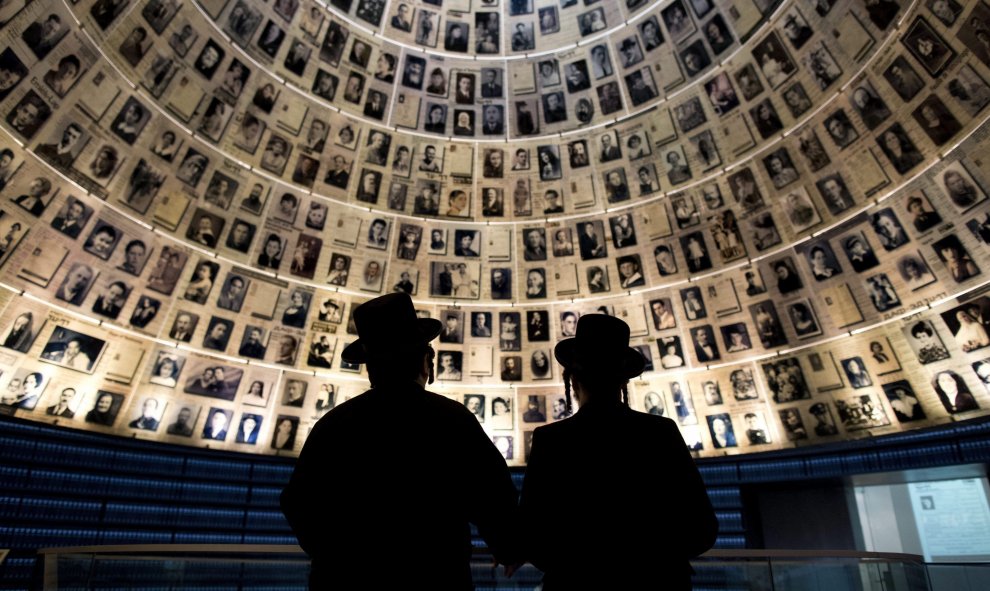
(74, 350)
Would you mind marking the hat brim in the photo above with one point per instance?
(630, 363)
(429, 329)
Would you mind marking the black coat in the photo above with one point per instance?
(613, 500)
(371, 515)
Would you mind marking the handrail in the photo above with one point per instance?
(783, 553)
(295, 549)
(196, 548)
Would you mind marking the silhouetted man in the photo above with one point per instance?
(571, 517)
(382, 499)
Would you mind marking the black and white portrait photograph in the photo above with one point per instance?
(969, 91)
(678, 170)
(28, 115)
(745, 190)
(591, 22)
(242, 22)
(800, 209)
(953, 392)
(205, 378)
(721, 94)
(810, 147)
(145, 311)
(822, 260)
(205, 228)
(641, 86)
(76, 284)
(184, 37)
(856, 373)
(899, 148)
(705, 348)
(254, 342)
(796, 99)
(932, 52)
(218, 333)
(935, 119)
(679, 24)
(925, 341)
(969, 323)
(276, 154)
(455, 280)
(763, 231)
(841, 129)
(103, 240)
(695, 57)
(823, 67)
(721, 430)
(696, 252)
(785, 379)
(959, 186)
(796, 28)
(786, 275)
(835, 193)
(15, 71)
(136, 255)
(889, 230)
(956, 258)
(110, 299)
(767, 325)
(44, 34)
(20, 334)
(166, 368)
(881, 292)
(871, 108)
(105, 407)
(748, 82)
(914, 271)
(863, 411)
(73, 349)
(201, 282)
(980, 227)
(167, 270)
(773, 60)
(671, 353)
(903, 78)
(735, 338)
(743, 385)
(693, 303)
(859, 252)
(904, 402)
(685, 211)
(793, 424)
(780, 168)
(630, 271)
(449, 367)
(130, 120)
(190, 171)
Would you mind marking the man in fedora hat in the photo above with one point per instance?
(359, 500)
(584, 470)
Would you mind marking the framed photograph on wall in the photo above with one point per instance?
(73, 349)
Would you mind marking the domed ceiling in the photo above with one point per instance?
(785, 201)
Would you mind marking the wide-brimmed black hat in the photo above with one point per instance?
(601, 345)
(388, 327)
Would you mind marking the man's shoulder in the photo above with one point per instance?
(447, 405)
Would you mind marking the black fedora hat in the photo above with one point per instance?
(601, 344)
(388, 327)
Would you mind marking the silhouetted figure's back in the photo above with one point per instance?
(387, 483)
(612, 498)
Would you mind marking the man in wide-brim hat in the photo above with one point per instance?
(388, 482)
(611, 498)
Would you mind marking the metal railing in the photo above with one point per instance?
(202, 566)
